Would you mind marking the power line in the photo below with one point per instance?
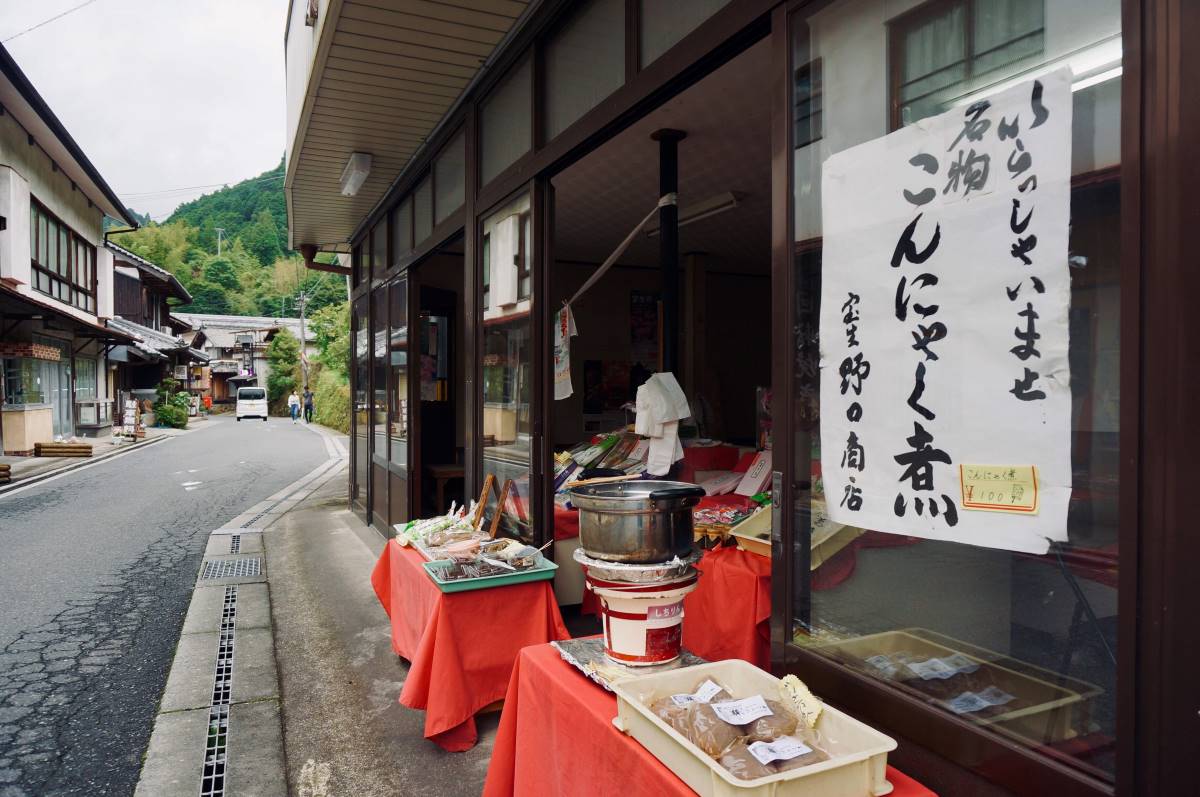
(48, 21)
(199, 187)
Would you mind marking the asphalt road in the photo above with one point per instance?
(96, 573)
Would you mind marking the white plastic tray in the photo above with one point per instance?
(858, 753)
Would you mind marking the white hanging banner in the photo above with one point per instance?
(564, 330)
(945, 385)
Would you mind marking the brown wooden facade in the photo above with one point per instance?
(1158, 697)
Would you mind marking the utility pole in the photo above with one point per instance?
(301, 301)
(220, 232)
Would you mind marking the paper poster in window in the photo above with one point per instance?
(945, 385)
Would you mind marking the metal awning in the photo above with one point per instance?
(384, 75)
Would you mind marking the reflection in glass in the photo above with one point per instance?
(508, 368)
(398, 361)
(1034, 635)
(362, 376)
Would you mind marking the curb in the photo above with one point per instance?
(19, 483)
(219, 722)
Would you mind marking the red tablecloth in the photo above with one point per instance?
(556, 737)
(728, 615)
(462, 645)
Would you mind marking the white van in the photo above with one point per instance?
(251, 403)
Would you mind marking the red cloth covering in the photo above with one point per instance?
(566, 523)
(728, 615)
(556, 737)
(462, 645)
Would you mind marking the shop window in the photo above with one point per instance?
(85, 379)
(665, 23)
(487, 270)
(63, 263)
(423, 211)
(806, 91)
(524, 251)
(402, 230)
(398, 362)
(22, 382)
(584, 63)
(507, 122)
(508, 373)
(361, 385)
(1017, 641)
(948, 48)
(379, 250)
(449, 175)
(380, 367)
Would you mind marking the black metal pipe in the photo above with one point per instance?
(668, 247)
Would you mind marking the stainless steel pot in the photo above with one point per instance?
(639, 522)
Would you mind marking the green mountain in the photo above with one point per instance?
(249, 270)
(242, 211)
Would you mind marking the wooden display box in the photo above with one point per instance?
(1058, 705)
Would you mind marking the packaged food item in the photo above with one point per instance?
(462, 549)
(669, 712)
(815, 755)
(780, 722)
(707, 731)
(741, 762)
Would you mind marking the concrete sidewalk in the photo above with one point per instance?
(284, 678)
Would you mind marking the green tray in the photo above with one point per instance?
(542, 572)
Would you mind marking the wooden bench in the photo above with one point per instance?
(62, 449)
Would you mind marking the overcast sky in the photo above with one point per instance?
(160, 94)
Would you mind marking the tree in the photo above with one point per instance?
(331, 331)
(220, 271)
(261, 238)
(208, 298)
(283, 356)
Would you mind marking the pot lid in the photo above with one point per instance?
(633, 490)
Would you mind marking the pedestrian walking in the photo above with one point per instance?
(294, 406)
(308, 405)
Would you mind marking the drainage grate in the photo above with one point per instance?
(259, 516)
(235, 543)
(212, 780)
(232, 568)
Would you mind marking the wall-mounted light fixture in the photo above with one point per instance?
(355, 173)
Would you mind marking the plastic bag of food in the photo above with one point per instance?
(739, 760)
(815, 756)
(705, 689)
(780, 722)
(674, 715)
(707, 731)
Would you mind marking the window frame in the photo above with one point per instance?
(63, 282)
(902, 24)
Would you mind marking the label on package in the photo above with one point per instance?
(785, 748)
(740, 712)
(932, 668)
(943, 668)
(960, 663)
(707, 691)
(970, 702)
(883, 664)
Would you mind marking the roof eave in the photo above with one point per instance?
(10, 70)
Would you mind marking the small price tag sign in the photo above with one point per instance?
(707, 691)
(999, 488)
(740, 712)
(784, 748)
